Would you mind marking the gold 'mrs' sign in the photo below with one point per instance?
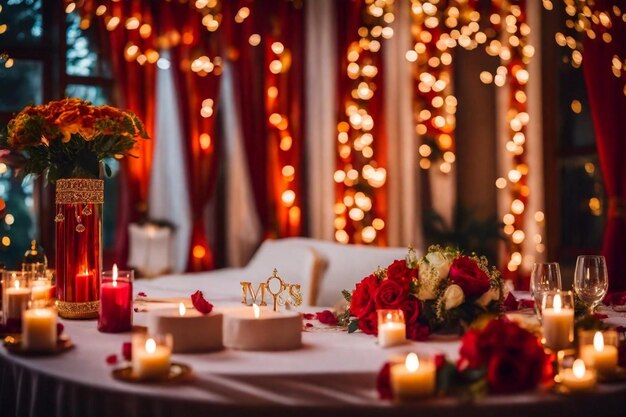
(282, 292)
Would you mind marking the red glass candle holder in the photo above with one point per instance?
(78, 246)
(116, 301)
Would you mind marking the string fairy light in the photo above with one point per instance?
(360, 176)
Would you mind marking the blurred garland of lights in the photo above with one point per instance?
(437, 28)
(283, 147)
(359, 176)
(585, 18)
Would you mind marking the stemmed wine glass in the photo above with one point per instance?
(544, 277)
(591, 281)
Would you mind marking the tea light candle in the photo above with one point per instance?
(558, 325)
(16, 299)
(391, 328)
(39, 329)
(600, 356)
(578, 377)
(116, 296)
(262, 330)
(413, 378)
(149, 359)
(191, 330)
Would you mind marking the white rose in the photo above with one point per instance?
(491, 295)
(440, 262)
(453, 297)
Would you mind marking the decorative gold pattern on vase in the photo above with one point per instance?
(80, 190)
(70, 310)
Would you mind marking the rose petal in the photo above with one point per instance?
(327, 317)
(141, 294)
(383, 382)
(60, 329)
(309, 324)
(111, 359)
(200, 303)
(308, 316)
(127, 351)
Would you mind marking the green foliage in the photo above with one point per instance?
(353, 326)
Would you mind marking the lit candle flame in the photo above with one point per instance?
(389, 316)
(16, 284)
(598, 342)
(556, 303)
(257, 311)
(182, 309)
(579, 368)
(150, 346)
(412, 362)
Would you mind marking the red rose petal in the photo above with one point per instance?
(308, 316)
(141, 294)
(383, 382)
(111, 359)
(127, 351)
(327, 317)
(309, 325)
(60, 329)
(200, 303)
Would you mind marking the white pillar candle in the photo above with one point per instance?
(413, 378)
(150, 360)
(578, 378)
(40, 290)
(600, 356)
(39, 329)
(16, 299)
(391, 334)
(558, 325)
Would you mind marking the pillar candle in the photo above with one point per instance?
(150, 360)
(40, 290)
(116, 307)
(600, 356)
(578, 378)
(16, 299)
(558, 325)
(391, 334)
(39, 329)
(413, 378)
(81, 287)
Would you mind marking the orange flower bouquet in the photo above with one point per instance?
(70, 138)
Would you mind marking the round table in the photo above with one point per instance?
(332, 375)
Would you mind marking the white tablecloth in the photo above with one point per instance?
(333, 374)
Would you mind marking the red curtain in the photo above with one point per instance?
(197, 67)
(251, 28)
(608, 108)
(135, 79)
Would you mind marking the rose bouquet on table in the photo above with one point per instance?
(70, 138)
(444, 289)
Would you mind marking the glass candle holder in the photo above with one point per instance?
(577, 377)
(41, 288)
(39, 327)
(557, 319)
(37, 269)
(391, 328)
(116, 301)
(151, 355)
(15, 296)
(413, 377)
(599, 350)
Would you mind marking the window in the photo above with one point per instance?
(577, 213)
(37, 66)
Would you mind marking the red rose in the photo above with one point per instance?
(127, 351)
(383, 382)
(390, 294)
(362, 301)
(411, 309)
(327, 317)
(417, 331)
(369, 324)
(398, 271)
(469, 355)
(465, 272)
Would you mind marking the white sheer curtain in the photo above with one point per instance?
(320, 116)
(405, 218)
(243, 228)
(169, 198)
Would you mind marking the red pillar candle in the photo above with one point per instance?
(81, 286)
(116, 301)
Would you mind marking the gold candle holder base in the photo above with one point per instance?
(71, 310)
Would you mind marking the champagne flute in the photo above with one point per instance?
(544, 277)
(591, 281)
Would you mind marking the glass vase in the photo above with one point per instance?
(78, 246)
